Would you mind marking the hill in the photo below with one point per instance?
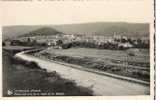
(45, 31)
(14, 31)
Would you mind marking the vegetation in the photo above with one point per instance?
(45, 31)
(140, 55)
(24, 75)
(108, 45)
(27, 43)
(115, 62)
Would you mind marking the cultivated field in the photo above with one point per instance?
(135, 55)
(131, 63)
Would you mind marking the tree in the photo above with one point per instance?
(3, 44)
(59, 42)
(28, 40)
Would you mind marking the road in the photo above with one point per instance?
(100, 84)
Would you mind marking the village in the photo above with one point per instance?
(64, 41)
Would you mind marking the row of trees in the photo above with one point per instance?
(92, 44)
(24, 43)
(108, 45)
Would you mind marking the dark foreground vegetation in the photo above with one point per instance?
(26, 78)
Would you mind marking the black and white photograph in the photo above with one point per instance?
(83, 49)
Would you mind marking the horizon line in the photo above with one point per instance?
(77, 23)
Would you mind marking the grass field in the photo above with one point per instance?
(139, 55)
(131, 63)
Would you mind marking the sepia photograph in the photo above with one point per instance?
(84, 49)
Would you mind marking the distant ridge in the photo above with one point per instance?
(99, 28)
(107, 28)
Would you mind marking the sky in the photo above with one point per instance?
(56, 13)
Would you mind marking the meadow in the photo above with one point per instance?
(131, 62)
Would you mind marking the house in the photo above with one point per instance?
(7, 42)
(16, 42)
(125, 45)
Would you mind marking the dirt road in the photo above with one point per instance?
(101, 85)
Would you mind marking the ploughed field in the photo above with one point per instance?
(131, 63)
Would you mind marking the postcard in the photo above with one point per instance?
(77, 49)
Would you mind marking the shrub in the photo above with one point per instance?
(33, 65)
(140, 73)
(115, 69)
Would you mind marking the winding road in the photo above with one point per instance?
(100, 84)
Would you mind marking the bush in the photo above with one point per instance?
(140, 73)
(33, 65)
(30, 64)
(115, 69)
